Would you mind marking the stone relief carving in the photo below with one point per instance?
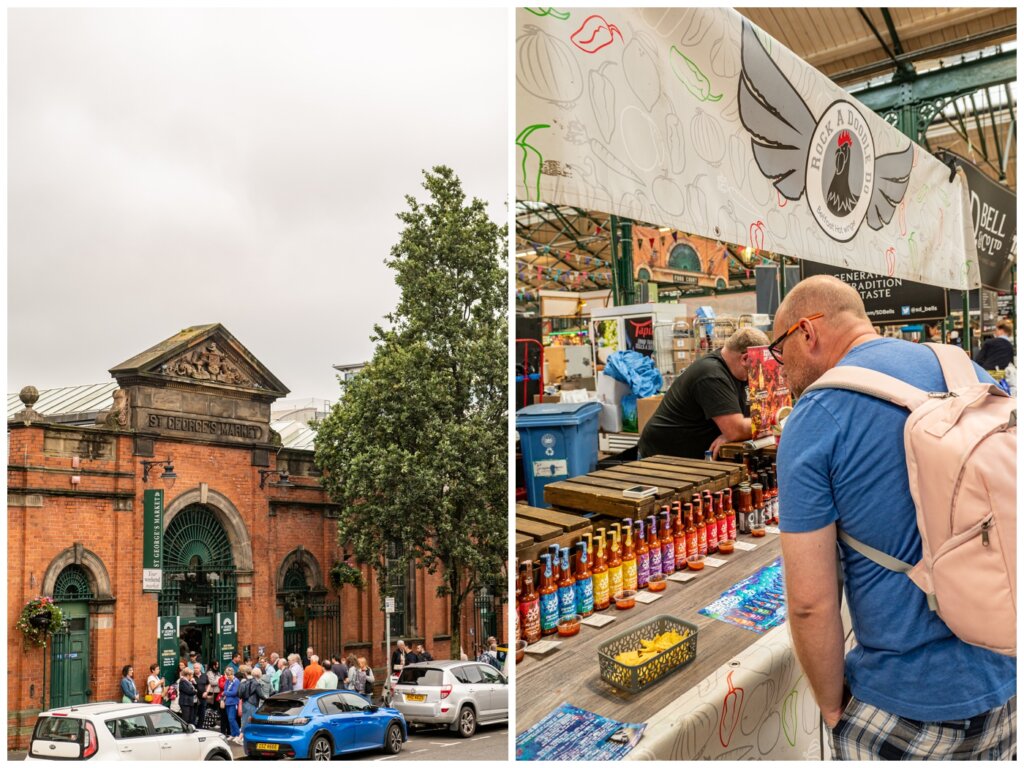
(117, 416)
(208, 363)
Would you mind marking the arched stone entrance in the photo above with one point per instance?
(310, 618)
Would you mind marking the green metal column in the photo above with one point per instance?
(622, 261)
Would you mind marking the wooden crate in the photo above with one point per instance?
(540, 528)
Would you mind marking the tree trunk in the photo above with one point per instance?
(455, 614)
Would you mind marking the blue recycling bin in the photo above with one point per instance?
(558, 441)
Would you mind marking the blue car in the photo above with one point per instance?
(320, 724)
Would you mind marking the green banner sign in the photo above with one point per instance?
(167, 647)
(152, 540)
(227, 637)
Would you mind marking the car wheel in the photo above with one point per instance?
(321, 749)
(393, 739)
(467, 722)
(218, 755)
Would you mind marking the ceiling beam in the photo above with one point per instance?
(948, 81)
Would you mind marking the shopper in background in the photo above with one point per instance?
(352, 679)
(398, 660)
(339, 669)
(997, 352)
(312, 673)
(129, 693)
(423, 653)
(912, 689)
(187, 696)
(155, 685)
(328, 680)
(202, 683)
(706, 405)
(297, 671)
(232, 705)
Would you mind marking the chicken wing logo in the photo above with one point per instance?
(832, 157)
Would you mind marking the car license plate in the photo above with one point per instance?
(415, 697)
(268, 747)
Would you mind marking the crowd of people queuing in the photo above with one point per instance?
(225, 700)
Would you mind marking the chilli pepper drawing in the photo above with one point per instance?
(903, 218)
(602, 99)
(563, 15)
(782, 200)
(790, 718)
(690, 75)
(890, 259)
(732, 705)
(594, 34)
(757, 235)
(531, 162)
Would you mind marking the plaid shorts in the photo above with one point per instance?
(865, 732)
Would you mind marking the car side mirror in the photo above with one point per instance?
(189, 728)
(372, 708)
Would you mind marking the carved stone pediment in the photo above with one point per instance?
(207, 362)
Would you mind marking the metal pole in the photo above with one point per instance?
(614, 262)
(966, 336)
(387, 653)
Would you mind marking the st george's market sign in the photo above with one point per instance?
(694, 119)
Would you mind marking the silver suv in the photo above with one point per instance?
(108, 730)
(458, 694)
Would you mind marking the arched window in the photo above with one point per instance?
(72, 585)
(684, 257)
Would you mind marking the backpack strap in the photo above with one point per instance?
(881, 558)
(957, 369)
(873, 383)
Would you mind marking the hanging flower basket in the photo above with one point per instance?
(344, 573)
(39, 619)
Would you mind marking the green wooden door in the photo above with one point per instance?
(69, 654)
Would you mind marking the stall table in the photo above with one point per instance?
(686, 712)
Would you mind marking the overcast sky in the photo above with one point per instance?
(173, 168)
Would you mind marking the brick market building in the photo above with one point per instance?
(248, 535)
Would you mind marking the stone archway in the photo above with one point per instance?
(227, 515)
(95, 571)
(302, 556)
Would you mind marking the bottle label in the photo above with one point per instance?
(601, 596)
(629, 575)
(692, 545)
(531, 620)
(668, 558)
(643, 569)
(566, 601)
(723, 529)
(614, 580)
(680, 547)
(585, 597)
(731, 521)
(655, 561)
(549, 612)
(702, 541)
(712, 534)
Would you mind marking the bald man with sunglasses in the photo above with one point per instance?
(706, 405)
(909, 689)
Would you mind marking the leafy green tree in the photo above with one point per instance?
(416, 449)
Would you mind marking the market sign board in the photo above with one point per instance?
(168, 630)
(152, 540)
(693, 119)
(994, 220)
(888, 300)
(640, 334)
(227, 636)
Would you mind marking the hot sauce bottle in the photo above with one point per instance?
(723, 524)
(653, 546)
(692, 539)
(702, 531)
(519, 594)
(602, 598)
(629, 564)
(529, 607)
(730, 514)
(556, 572)
(614, 565)
(711, 523)
(548, 597)
(668, 547)
(616, 528)
(643, 556)
(773, 490)
(566, 589)
(679, 537)
(584, 582)
(757, 517)
(744, 508)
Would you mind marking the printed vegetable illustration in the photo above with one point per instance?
(668, 195)
(724, 59)
(697, 204)
(641, 70)
(577, 134)
(676, 145)
(602, 100)
(594, 34)
(689, 74)
(782, 200)
(789, 717)
(706, 137)
(890, 259)
(547, 67)
(531, 162)
(563, 15)
(757, 235)
(737, 159)
(732, 705)
(902, 212)
(696, 24)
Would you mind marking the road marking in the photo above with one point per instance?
(417, 751)
(445, 744)
(390, 757)
(480, 738)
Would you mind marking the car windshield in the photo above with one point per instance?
(420, 676)
(58, 729)
(287, 706)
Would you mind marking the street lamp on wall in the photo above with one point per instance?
(283, 481)
(168, 473)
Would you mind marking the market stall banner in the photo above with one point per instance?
(888, 300)
(678, 259)
(994, 222)
(693, 118)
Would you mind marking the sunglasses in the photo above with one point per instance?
(776, 346)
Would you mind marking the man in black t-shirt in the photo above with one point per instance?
(997, 352)
(706, 405)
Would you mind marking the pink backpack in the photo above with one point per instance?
(961, 460)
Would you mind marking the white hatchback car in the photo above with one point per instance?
(108, 730)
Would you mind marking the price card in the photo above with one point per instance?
(682, 576)
(771, 529)
(745, 545)
(543, 647)
(714, 562)
(647, 597)
(598, 620)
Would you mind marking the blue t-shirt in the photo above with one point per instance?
(842, 459)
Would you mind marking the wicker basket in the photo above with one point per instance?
(634, 679)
